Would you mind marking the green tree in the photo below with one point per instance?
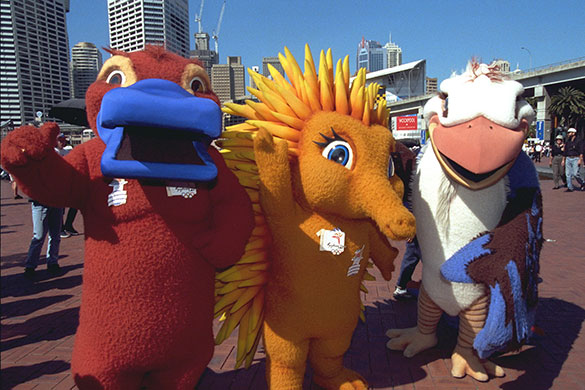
(569, 106)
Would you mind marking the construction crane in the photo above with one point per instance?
(215, 34)
(198, 16)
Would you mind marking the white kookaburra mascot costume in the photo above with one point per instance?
(478, 209)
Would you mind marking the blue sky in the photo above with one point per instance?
(447, 33)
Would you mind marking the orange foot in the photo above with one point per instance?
(346, 379)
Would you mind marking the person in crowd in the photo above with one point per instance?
(537, 152)
(67, 229)
(556, 159)
(403, 162)
(46, 221)
(572, 160)
(14, 188)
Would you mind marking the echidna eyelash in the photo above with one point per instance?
(328, 140)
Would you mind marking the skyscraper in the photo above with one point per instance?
(202, 52)
(86, 61)
(135, 23)
(371, 55)
(34, 54)
(251, 81)
(228, 80)
(393, 53)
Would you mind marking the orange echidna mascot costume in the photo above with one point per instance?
(314, 156)
(161, 213)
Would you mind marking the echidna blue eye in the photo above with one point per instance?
(339, 152)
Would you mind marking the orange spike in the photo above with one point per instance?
(313, 97)
(357, 104)
(366, 116)
(341, 105)
(279, 79)
(263, 110)
(260, 97)
(346, 73)
(309, 63)
(330, 64)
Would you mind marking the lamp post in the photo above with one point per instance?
(530, 54)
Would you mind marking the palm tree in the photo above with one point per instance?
(569, 106)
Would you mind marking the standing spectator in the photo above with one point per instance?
(67, 229)
(537, 152)
(46, 220)
(573, 159)
(403, 161)
(411, 258)
(556, 160)
(14, 188)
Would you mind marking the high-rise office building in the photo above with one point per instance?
(431, 85)
(393, 53)
(371, 55)
(202, 52)
(34, 54)
(251, 81)
(274, 61)
(86, 61)
(228, 80)
(136, 23)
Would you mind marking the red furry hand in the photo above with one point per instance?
(28, 143)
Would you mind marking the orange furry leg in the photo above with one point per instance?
(464, 358)
(326, 356)
(285, 362)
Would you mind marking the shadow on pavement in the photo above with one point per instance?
(14, 260)
(561, 322)
(52, 326)
(27, 306)
(17, 285)
(540, 362)
(13, 376)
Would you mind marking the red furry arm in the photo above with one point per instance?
(28, 154)
(233, 219)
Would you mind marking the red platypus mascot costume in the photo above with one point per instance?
(161, 212)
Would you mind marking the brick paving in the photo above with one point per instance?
(39, 319)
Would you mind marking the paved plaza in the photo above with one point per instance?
(39, 319)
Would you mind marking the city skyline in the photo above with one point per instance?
(447, 34)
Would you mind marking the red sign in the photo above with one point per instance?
(406, 123)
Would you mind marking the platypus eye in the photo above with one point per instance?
(337, 149)
(116, 77)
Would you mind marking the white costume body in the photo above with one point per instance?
(448, 217)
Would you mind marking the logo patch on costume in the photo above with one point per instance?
(331, 241)
(354, 268)
(185, 192)
(118, 196)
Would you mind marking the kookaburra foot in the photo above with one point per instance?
(466, 362)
